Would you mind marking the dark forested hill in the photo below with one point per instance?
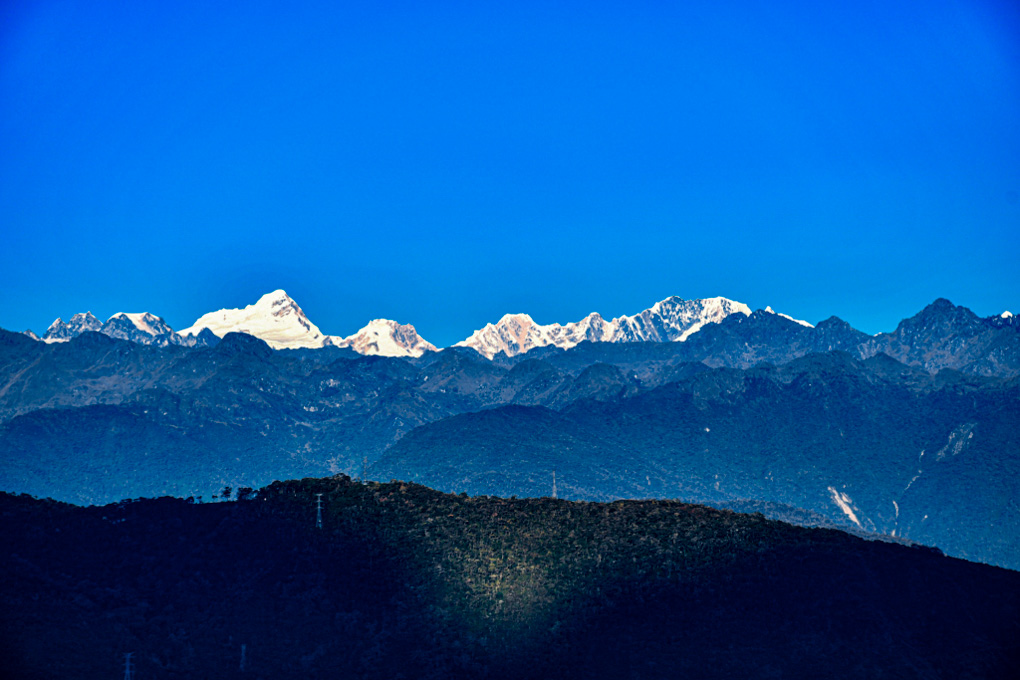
(403, 581)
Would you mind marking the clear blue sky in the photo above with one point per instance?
(442, 164)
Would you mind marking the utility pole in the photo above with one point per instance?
(129, 671)
(318, 510)
(364, 469)
(554, 483)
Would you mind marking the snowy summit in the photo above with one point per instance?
(386, 338)
(278, 320)
(282, 324)
(275, 318)
(671, 320)
(79, 323)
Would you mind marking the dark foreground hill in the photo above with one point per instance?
(403, 581)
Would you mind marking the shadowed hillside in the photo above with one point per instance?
(403, 581)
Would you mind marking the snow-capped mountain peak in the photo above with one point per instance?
(516, 327)
(143, 322)
(512, 334)
(672, 319)
(675, 319)
(143, 327)
(1007, 314)
(384, 337)
(79, 323)
(275, 318)
(278, 320)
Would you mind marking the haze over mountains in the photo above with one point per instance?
(912, 432)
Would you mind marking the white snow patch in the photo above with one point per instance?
(844, 502)
(769, 310)
(1007, 314)
(958, 440)
(800, 321)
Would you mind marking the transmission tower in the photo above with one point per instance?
(364, 469)
(554, 484)
(129, 671)
(318, 510)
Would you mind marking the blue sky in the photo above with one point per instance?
(442, 164)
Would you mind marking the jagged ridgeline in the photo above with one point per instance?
(403, 581)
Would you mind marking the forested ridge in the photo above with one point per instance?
(404, 581)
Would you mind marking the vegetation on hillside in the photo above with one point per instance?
(403, 581)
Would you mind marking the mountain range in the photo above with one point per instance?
(143, 328)
(912, 432)
(278, 320)
(672, 319)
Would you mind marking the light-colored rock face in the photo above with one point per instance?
(145, 328)
(275, 318)
(672, 319)
(383, 337)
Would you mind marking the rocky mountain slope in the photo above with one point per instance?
(142, 328)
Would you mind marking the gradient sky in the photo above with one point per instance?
(442, 164)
